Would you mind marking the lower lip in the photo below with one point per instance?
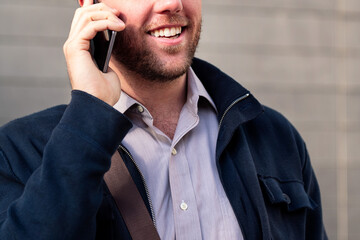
(170, 41)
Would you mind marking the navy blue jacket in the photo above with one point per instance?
(52, 165)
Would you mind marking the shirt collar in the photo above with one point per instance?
(125, 102)
(195, 90)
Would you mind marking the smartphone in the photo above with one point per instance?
(101, 47)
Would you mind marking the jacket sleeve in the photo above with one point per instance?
(61, 197)
(314, 222)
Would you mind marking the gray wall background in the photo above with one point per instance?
(300, 57)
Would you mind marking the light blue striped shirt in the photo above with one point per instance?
(188, 198)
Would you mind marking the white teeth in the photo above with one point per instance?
(173, 31)
(166, 32)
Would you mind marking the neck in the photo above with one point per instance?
(164, 100)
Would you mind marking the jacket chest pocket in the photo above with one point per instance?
(287, 205)
(288, 193)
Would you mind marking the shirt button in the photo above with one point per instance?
(183, 206)
(173, 151)
(140, 109)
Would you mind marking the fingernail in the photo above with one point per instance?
(120, 22)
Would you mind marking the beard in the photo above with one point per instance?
(132, 51)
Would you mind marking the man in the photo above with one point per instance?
(208, 159)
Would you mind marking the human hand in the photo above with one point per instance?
(83, 72)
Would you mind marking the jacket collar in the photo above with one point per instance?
(225, 91)
(234, 103)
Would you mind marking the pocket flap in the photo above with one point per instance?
(291, 193)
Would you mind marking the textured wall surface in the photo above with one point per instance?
(299, 57)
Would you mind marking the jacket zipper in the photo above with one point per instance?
(231, 105)
(143, 180)
(221, 120)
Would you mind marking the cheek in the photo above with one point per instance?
(193, 7)
(131, 12)
(112, 3)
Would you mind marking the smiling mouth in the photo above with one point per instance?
(172, 32)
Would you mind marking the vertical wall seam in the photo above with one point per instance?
(341, 57)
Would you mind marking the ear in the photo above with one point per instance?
(81, 2)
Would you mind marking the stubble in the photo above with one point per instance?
(136, 56)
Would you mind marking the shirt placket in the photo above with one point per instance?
(186, 215)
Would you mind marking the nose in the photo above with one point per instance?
(168, 6)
